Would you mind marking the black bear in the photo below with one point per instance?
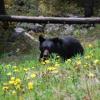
(66, 47)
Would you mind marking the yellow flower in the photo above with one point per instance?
(68, 61)
(51, 68)
(47, 61)
(12, 78)
(5, 88)
(18, 87)
(30, 85)
(9, 74)
(25, 69)
(42, 62)
(17, 81)
(13, 92)
(14, 67)
(86, 65)
(57, 64)
(91, 75)
(90, 45)
(33, 75)
(87, 57)
(78, 63)
(96, 62)
(16, 70)
(11, 82)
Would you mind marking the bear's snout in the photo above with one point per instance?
(46, 54)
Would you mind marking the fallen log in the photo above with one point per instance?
(54, 20)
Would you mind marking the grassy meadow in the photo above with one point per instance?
(78, 78)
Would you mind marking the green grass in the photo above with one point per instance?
(75, 79)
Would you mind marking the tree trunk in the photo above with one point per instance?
(88, 8)
(2, 7)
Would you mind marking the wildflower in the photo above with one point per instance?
(25, 69)
(96, 62)
(33, 75)
(14, 67)
(30, 85)
(86, 65)
(68, 61)
(12, 78)
(5, 88)
(57, 64)
(51, 68)
(55, 71)
(13, 92)
(17, 81)
(42, 62)
(90, 45)
(11, 82)
(78, 63)
(18, 87)
(9, 74)
(16, 70)
(47, 61)
(87, 57)
(91, 75)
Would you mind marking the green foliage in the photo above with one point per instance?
(52, 79)
(23, 7)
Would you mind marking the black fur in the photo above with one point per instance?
(66, 47)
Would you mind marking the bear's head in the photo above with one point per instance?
(48, 46)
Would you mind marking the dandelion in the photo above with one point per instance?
(96, 62)
(43, 63)
(86, 65)
(17, 81)
(68, 61)
(90, 45)
(57, 64)
(14, 67)
(33, 75)
(12, 78)
(13, 92)
(87, 57)
(30, 85)
(78, 63)
(5, 88)
(91, 75)
(51, 68)
(47, 61)
(18, 87)
(11, 82)
(25, 69)
(16, 70)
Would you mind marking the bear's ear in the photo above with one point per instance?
(41, 38)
